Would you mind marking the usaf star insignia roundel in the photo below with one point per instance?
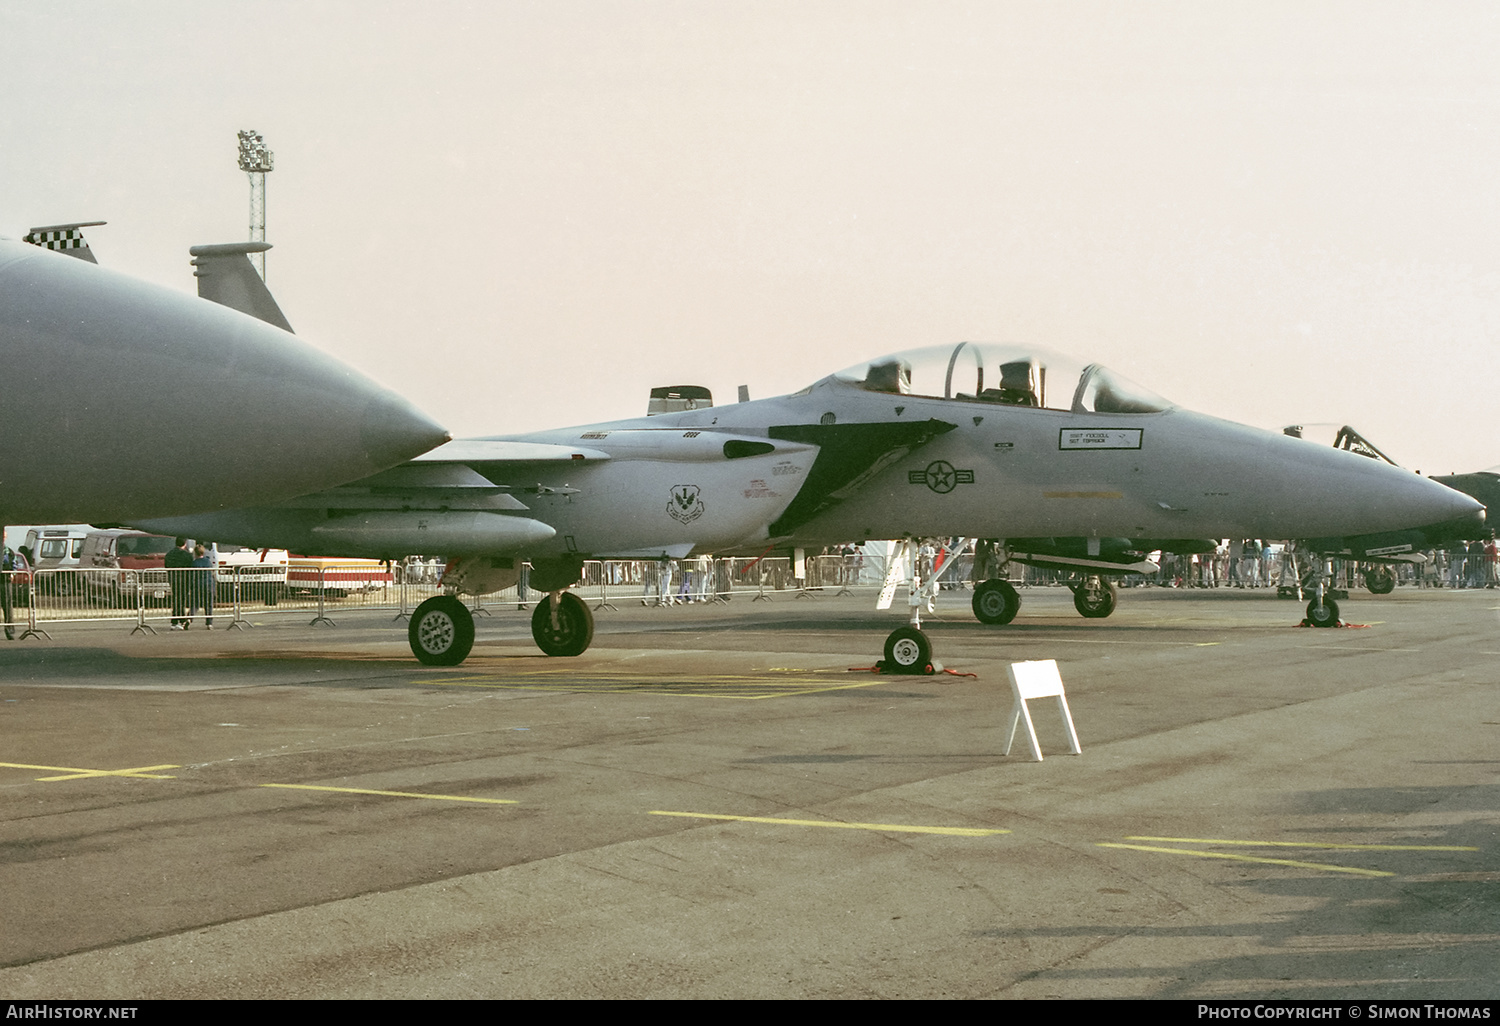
(941, 476)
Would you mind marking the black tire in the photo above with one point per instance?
(1095, 598)
(575, 626)
(1326, 615)
(996, 602)
(907, 650)
(441, 632)
(1381, 580)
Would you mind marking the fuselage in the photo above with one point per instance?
(1000, 471)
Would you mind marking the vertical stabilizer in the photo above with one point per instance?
(64, 238)
(225, 276)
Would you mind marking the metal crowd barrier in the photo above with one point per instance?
(233, 597)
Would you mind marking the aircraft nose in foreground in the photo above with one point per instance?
(126, 400)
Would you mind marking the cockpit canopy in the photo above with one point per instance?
(986, 372)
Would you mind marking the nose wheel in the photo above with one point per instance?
(1323, 614)
(907, 650)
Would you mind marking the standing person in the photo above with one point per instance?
(177, 562)
(14, 566)
(202, 586)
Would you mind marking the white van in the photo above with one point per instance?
(57, 548)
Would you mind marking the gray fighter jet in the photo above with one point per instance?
(121, 400)
(980, 440)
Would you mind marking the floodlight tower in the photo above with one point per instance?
(256, 159)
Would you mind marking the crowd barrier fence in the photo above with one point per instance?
(230, 597)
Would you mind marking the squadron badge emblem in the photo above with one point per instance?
(685, 506)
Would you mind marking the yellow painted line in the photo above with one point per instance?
(1308, 844)
(1249, 858)
(395, 794)
(1206, 644)
(74, 773)
(899, 828)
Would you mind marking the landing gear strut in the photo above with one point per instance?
(907, 649)
(1323, 611)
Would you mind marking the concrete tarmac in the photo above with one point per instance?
(709, 804)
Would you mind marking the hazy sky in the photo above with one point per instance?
(524, 215)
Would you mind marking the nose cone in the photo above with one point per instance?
(125, 400)
(1257, 484)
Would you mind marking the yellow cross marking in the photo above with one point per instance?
(74, 773)
(888, 827)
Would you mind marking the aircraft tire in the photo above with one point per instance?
(996, 602)
(575, 626)
(1380, 580)
(1098, 605)
(441, 632)
(907, 650)
(1325, 616)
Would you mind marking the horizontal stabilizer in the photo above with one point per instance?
(64, 238)
(226, 276)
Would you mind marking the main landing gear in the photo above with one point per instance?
(1094, 598)
(441, 632)
(996, 602)
(1381, 580)
(563, 625)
